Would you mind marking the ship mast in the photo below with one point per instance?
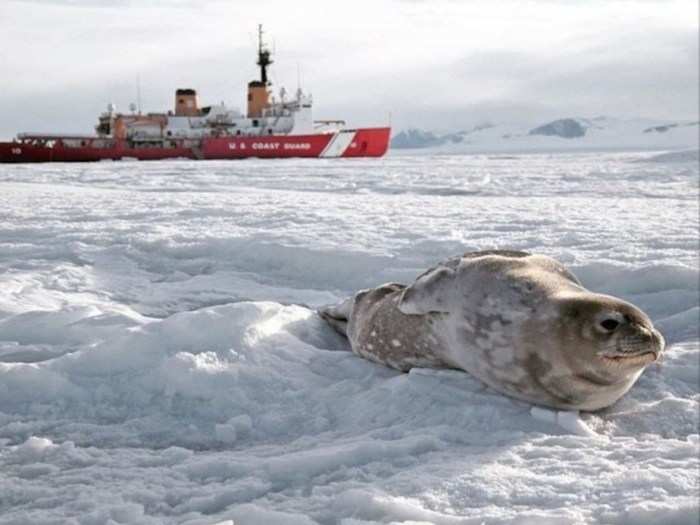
(258, 95)
(264, 59)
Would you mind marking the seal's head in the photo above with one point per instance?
(607, 334)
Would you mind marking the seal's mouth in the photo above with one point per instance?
(636, 350)
(647, 356)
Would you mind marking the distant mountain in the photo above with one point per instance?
(666, 127)
(568, 128)
(415, 138)
(565, 134)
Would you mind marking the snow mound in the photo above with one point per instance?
(674, 156)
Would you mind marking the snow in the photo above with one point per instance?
(568, 420)
(675, 156)
(161, 362)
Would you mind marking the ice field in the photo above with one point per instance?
(161, 361)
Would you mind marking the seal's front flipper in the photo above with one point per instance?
(429, 293)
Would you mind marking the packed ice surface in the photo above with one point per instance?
(161, 362)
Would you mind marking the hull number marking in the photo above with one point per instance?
(16, 151)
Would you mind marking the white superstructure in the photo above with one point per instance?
(265, 115)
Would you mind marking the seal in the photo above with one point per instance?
(521, 323)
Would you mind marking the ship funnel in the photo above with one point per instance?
(186, 103)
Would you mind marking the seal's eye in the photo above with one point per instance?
(609, 324)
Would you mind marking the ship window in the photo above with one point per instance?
(238, 132)
(255, 123)
(170, 133)
(269, 131)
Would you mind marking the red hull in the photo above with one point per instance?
(366, 142)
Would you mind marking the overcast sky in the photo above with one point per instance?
(436, 64)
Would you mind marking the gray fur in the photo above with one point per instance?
(521, 323)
